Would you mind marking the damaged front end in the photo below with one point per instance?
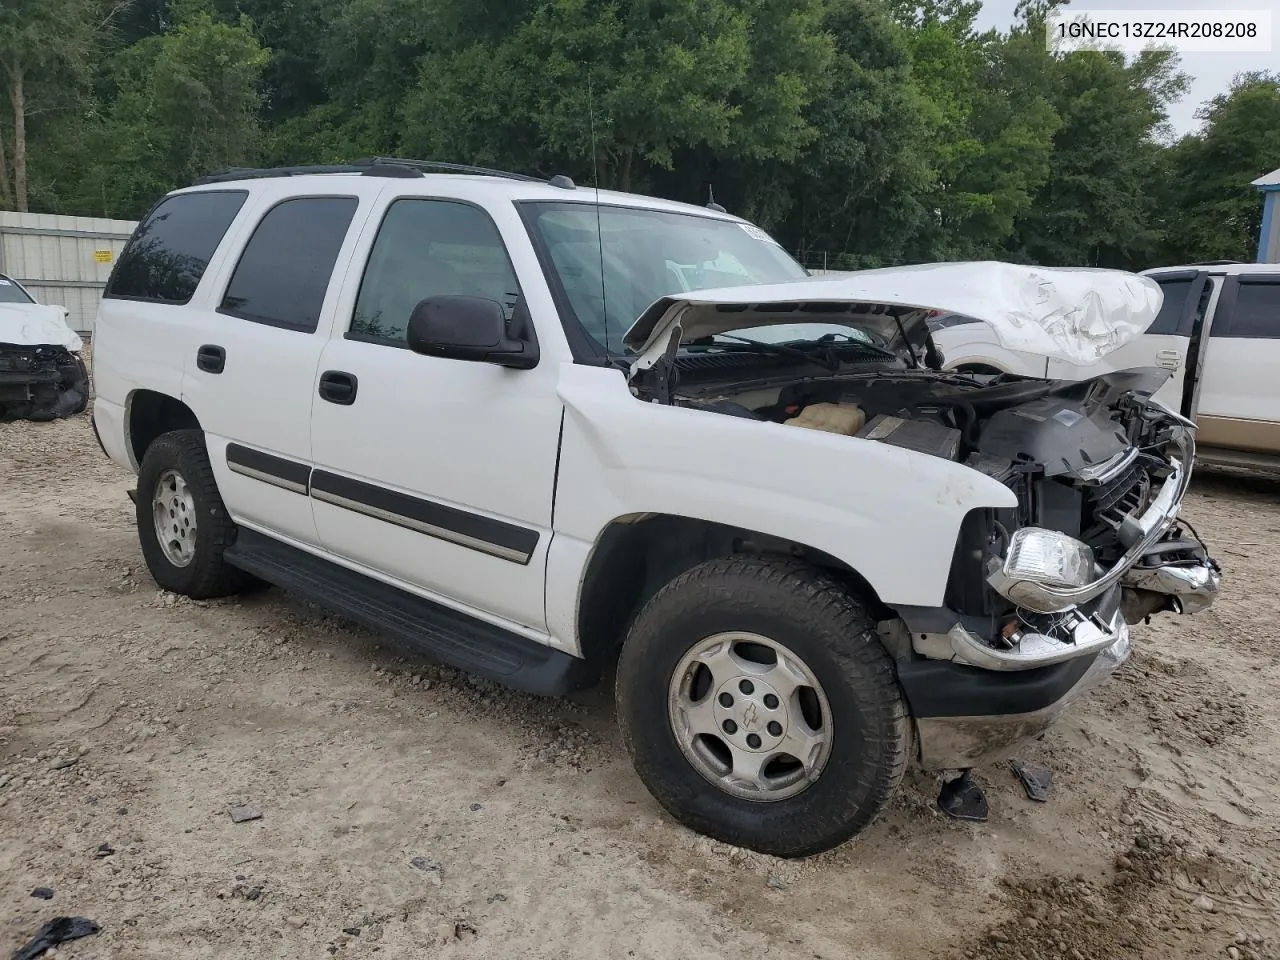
(1087, 525)
(1044, 593)
(41, 382)
(1041, 594)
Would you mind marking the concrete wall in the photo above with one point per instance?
(62, 260)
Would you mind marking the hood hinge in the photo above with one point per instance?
(654, 377)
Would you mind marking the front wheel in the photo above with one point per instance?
(760, 708)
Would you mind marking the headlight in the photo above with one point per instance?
(1037, 559)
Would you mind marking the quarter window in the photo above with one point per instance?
(1256, 313)
(170, 250)
(1175, 300)
(428, 248)
(284, 272)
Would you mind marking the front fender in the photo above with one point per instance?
(891, 514)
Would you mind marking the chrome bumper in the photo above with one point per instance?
(961, 742)
(1188, 588)
(1088, 635)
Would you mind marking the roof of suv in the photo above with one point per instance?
(514, 187)
(1221, 268)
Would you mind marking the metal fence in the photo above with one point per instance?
(62, 260)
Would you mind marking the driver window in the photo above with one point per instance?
(427, 248)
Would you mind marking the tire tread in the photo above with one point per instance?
(215, 530)
(813, 595)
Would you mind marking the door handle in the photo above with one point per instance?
(1169, 359)
(211, 358)
(338, 387)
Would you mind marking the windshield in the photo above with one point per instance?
(647, 255)
(10, 292)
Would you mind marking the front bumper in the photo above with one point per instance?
(973, 703)
(966, 716)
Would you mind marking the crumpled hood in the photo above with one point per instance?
(34, 324)
(1075, 314)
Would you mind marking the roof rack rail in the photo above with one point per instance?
(380, 167)
(375, 168)
(559, 180)
(1214, 263)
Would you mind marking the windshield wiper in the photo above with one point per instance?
(848, 338)
(778, 348)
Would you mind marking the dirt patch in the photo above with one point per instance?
(1161, 901)
(407, 809)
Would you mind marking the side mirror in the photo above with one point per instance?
(467, 328)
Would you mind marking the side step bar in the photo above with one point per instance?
(423, 626)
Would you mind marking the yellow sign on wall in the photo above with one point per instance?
(102, 256)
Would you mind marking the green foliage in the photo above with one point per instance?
(1097, 206)
(991, 129)
(1213, 211)
(880, 131)
(185, 103)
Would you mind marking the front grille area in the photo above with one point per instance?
(1107, 495)
(21, 358)
(16, 359)
(1107, 505)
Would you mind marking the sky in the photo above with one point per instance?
(1210, 73)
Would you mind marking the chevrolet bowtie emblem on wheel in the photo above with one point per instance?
(751, 717)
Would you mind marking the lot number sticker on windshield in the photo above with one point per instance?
(755, 233)
(5, 283)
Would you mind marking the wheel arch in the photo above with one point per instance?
(150, 414)
(979, 368)
(635, 555)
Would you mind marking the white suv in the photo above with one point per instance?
(490, 416)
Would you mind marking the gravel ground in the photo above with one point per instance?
(408, 810)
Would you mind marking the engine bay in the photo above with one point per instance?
(1067, 427)
(1082, 456)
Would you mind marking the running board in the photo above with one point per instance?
(425, 627)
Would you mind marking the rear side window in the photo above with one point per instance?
(170, 250)
(1175, 301)
(284, 271)
(1256, 313)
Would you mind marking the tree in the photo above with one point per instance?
(1098, 205)
(1213, 212)
(653, 76)
(184, 103)
(857, 189)
(989, 133)
(649, 83)
(44, 47)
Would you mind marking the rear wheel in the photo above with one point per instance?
(183, 526)
(759, 707)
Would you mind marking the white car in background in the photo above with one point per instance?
(1218, 335)
(42, 375)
